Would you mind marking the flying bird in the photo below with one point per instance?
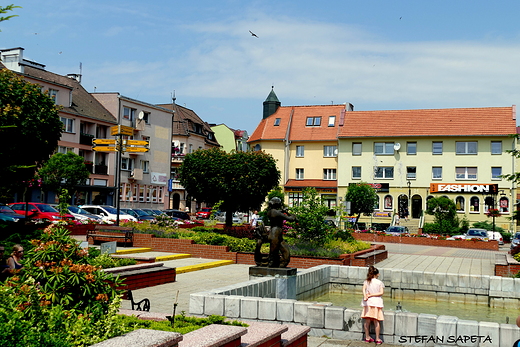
(253, 34)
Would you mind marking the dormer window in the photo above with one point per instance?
(332, 121)
(313, 121)
(277, 122)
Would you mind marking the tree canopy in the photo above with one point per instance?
(29, 127)
(362, 197)
(444, 211)
(240, 179)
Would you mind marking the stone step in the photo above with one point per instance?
(214, 335)
(263, 335)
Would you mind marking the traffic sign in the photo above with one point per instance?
(121, 130)
(104, 148)
(136, 149)
(103, 142)
(136, 142)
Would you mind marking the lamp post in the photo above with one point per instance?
(409, 203)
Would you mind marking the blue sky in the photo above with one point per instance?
(373, 54)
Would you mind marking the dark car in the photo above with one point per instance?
(139, 214)
(39, 211)
(515, 241)
(396, 230)
(8, 215)
(176, 214)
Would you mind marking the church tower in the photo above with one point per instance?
(271, 104)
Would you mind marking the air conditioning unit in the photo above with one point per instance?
(136, 174)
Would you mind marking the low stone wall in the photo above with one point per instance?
(255, 300)
(506, 265)
(425, 241)
(143, 275)
(222, 252)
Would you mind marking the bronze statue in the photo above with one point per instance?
(279, 255)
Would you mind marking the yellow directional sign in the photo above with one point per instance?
(121, 130)
(136, 149)
(103, 142)
(104, 148)
(136, 143)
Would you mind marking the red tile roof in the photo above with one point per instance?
(310, 183)
(296, 116)
(436, 122)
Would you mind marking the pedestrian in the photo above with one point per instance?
(254, 219)
(14, 261)
(396, 219)
(372, 303)
(406, 213)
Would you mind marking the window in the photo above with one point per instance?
(496, 147)
(330, 151)
(411, 148)
(384, 148)
(141, 193)
(496, 172)
(356, 148)
(313, 121)
(65, 150)
(466, 173)
(437, 148)
(299, 174)
(332, 121)
(504, 204)
(128, 113)
(68, 124)
(295, 199)
(146, 117)
(300, 151)
(469, 147)
(145, 166)
(384, 172)
(277, 122)
(356, 172)
(411, 172)
(459, 203)
(53, 94)
(474, 204)
(127, 164)
(329, 174)
(181, 148)
(388, 202)
(437, 172)
(191, 148)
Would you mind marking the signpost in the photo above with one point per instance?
(121, 146)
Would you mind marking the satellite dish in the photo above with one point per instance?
(397, 146)
(141, 115)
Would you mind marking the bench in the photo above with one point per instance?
(102, 231)
(143, 305)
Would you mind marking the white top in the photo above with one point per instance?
(374, 286)
(254, 219)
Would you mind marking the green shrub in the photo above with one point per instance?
(105, 261)
(215, 239)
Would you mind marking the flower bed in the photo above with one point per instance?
(426, 241)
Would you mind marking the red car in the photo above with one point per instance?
(39, 211)
(204, 213)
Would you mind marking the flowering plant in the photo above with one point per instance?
(493, 212)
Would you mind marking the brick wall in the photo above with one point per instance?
(424, 241)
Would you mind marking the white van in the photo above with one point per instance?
(495, 235)
(108, 213)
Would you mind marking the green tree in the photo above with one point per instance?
(445, 213)
(4, 10)
(240, 179)
(310, 218)
(362, 197)
(275, 192)
(63, 173)
(29, 128)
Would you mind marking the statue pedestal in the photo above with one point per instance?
(285, 279)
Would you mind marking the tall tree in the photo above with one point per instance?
(240, 179)
(29, 128)
(444, 211)
(362, 197)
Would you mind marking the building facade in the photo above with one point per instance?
(230, 139)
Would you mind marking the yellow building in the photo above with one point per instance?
(409, 156)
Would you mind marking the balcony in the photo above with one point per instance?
(176, 185)
(177, 158)
(86, 139)
(101, 170)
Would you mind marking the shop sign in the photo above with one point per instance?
(382, 214)
(379, 187)
(463, 188)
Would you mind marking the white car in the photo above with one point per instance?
(108, 213)
(495, 235)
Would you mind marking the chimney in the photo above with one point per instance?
(12, 58)
(75, 76)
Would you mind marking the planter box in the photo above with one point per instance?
(425, 241)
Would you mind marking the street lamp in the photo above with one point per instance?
(408, 205)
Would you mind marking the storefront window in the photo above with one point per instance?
(504, 205)
(474, 204)
(295, 199)
(459, 203)
(388, 202)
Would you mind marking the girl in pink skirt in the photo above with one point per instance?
(372, 303)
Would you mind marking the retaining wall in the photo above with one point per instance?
(426, 241)
(255, 300)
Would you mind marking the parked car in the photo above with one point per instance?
(151, 211)
(397, 230)
(475, 233)
(176, 214)
(139, 214)
(495, 235)
(79, 213)
(204, 213)
(108, 213)
(39, 211)
(7, 214)
(515, 241)
(221, 217)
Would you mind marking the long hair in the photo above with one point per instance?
(372, 272)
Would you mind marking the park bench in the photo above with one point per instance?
(143, 305)
(111, 232)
